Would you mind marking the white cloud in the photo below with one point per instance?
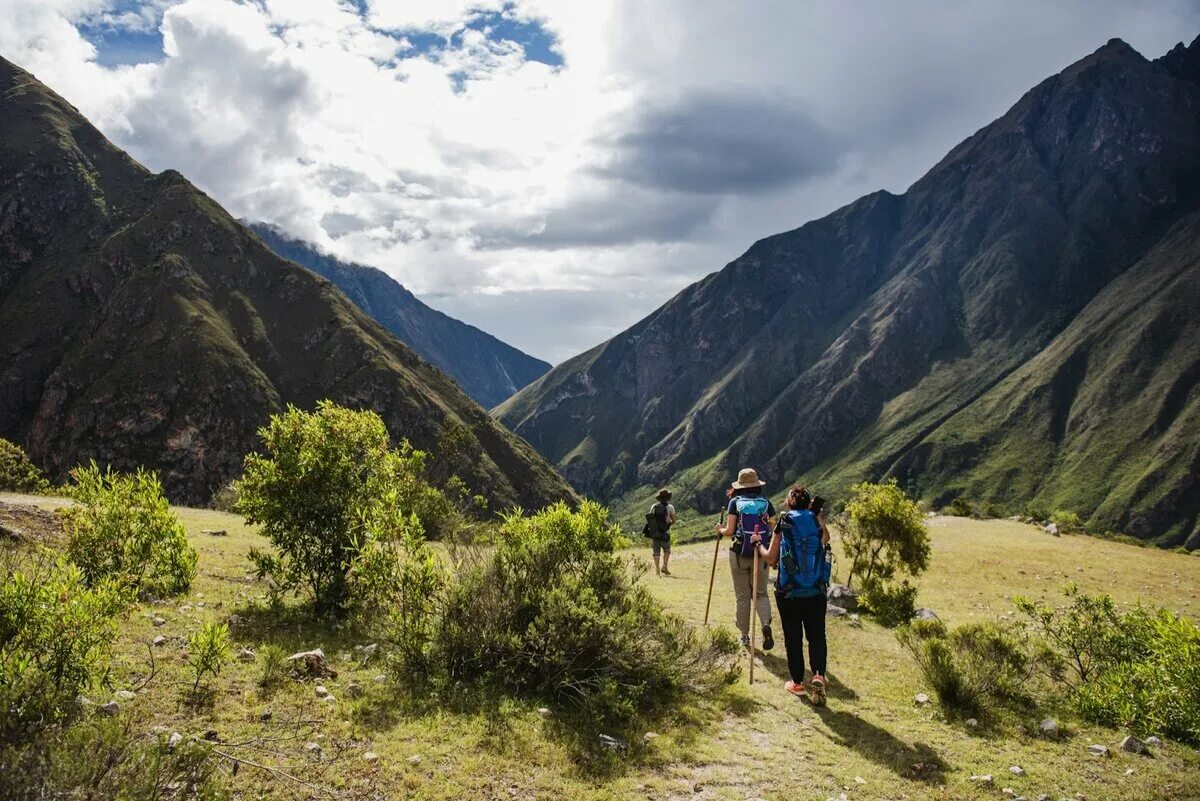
(421, 138)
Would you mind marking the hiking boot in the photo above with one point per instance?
(666, 572)
(768, 640)
(816, 689)
(745, 640)
(794, 688)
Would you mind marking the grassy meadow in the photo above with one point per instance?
(871, 741)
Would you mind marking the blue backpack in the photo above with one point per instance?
(804, 568)
(752, 513)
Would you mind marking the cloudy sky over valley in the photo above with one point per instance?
(553, 170)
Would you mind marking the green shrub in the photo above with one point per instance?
(552, 611)
(272, 661)
(109, 758)
(208, 651)
(1067, 522)
(972, 667)
(1139, 669)
(225, 500)
(890, 604)
(322, 471)
(124, 529)
(1036, 513)
(17, 473)
(959, 507)
(55, 637)
(989, 511)
(884, 533)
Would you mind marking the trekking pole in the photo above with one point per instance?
(713, 575)
(753, 607)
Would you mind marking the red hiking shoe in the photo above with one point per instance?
(794, 688)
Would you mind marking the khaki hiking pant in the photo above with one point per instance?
(742, 570)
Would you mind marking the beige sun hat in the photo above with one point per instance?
(747, 478)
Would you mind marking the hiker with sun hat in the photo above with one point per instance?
(748, 511)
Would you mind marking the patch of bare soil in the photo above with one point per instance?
(28, 525)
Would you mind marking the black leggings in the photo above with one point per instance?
(800, 618)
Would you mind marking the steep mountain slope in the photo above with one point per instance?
(489, 370)
(888, 337)
(141, 325)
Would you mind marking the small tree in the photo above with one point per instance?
(208, 651)
(884, 533)
(321, 472)
(17, 473)
(123, 528)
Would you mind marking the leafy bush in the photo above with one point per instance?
(960, 507)
(107, 758)
(889, 603)
(552, 611)
(321, 473)
(1067, 522)
(55, 637)
(972, 667)
(17, 473)
(1036, 513)
(1139, 669)
(124, 529)
(884, 533)
(208, 651)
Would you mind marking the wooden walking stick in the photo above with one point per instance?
(713, 575)
(753, 607)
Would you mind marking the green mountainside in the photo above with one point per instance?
(1020, 326)
(489, 370)
(141, 325)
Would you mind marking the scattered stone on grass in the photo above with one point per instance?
(925, 613)
(311, 664)
(125, 695)
(159, 641)
(1134, 746)
(213, 532)
(985, 778)
(972, 723)
(1017, 770)
(158, 621)
(611, 743)
(313, 749)
(1049, 728)
(1052, 529)
(1129, 771)
(354, 689)
(265, 715)
(175, 739)
(366, 652)
(855, 621)
(1154, 741)
(1098, 750)
(415, 759)
(545, 712)
(835, 611)
(381, 678)
(371, 756)
(110, 709)
(245, 655)
(921, 699)
(321, 690)
(842, 596)
(648, 736)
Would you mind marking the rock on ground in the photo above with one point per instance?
(311, 664)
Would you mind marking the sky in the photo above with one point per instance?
(554, 170)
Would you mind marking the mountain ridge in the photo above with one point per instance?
(488, 369)
(141, 325)
(830, 351)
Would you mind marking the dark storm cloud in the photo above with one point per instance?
(721, 144)
(621, 216)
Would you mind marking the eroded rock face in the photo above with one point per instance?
(929, 336)
(140, 325)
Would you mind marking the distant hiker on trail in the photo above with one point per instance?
(798, 547)
(748, 510)
(659, 520)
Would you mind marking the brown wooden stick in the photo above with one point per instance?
(712, 577)
(753, 608)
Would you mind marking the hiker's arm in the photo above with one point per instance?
(671, 517)
(730, 526)
(771, 554)
(824, 529)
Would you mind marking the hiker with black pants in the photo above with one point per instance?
(748, 510)
(659, 520)
(799, 547)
